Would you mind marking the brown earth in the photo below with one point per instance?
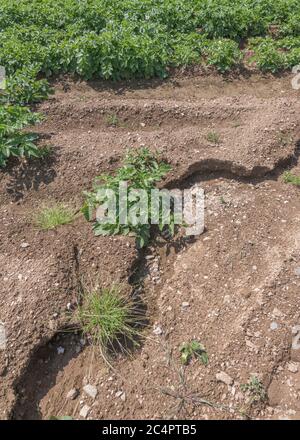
(240, 278)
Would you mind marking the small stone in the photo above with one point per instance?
(60, 350)
(157, 331)
(72, 394)
(277, 313)
(292, 367)
(90, 390)
(121, 394)
(185, 305)
(296, 329)
(84, 411)
(251, 345)
(274, 326)
(2, 336)
(224, 377)
(297, 271)
(25, 245)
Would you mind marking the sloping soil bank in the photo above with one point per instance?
(235, 288)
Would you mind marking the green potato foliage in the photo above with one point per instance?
(113, 39)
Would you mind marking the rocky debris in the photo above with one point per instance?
(157, 330)
(150, 257)
(121, 394)
(90, 390)
(85, 411)
(292, 367)
(224, 377)
(24, 245)
(185, 305)
(2, 336)
(297, 271)
(72, 394)
(273, 326)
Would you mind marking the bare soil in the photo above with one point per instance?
(240, 278)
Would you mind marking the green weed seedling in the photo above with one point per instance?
(213, 137)
(256, 390)
(291, 178)
(193, 349)
(112, 120)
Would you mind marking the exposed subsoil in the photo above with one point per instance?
(235, 288)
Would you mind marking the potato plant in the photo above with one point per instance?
(112, 39)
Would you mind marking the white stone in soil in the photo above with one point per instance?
(274, 326)
(297, 271)
(293, 367)
(3, 339)
(24, 245)
(60, 350)
(85, 411)
(157, 330)
(72, 394)
(90, 390)
(224, 377)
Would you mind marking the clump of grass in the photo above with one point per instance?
(213, 137)
(110, 318)
(53, 216)
(291, 178)
(255, 389)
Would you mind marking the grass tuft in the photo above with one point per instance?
(53, 216)
(213, 137)
(291, 178)
(111, 319)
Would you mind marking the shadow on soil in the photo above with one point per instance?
(208, 169)
(30, 175)
(41, 374)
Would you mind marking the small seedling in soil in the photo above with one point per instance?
(193, 349)
(112, 120)
(110, 318)
(291, 178)
(255, 389)
(53, 216)
(284, 139)
(213, 137)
